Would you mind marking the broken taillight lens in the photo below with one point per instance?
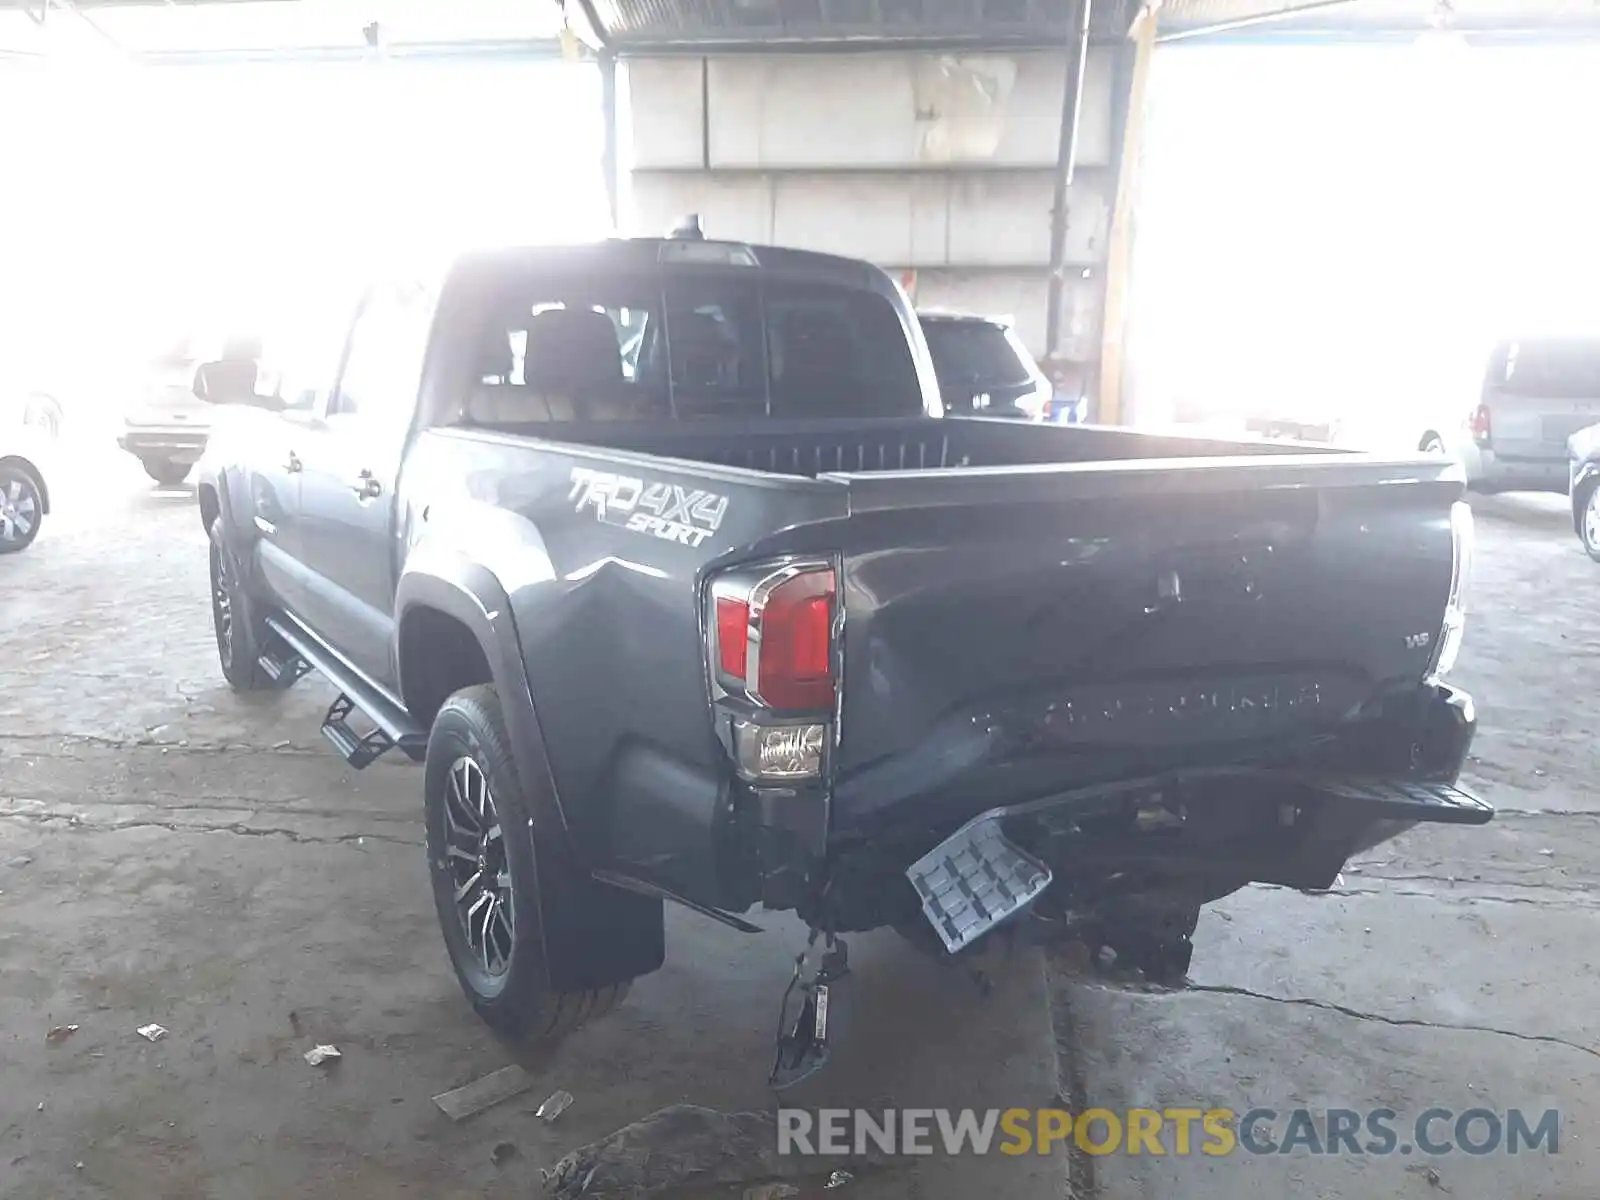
(773, 627)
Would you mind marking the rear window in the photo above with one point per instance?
(1548, 368)
(699, 347)
(974, 352)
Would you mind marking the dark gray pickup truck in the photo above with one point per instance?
(663, 558)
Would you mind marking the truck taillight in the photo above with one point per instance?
(1480, 425)
(772, 648)
(773, 631)
(1455, 610)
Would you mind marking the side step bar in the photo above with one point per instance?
(395, 728)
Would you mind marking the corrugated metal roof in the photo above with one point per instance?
(1379, 16)
(666, 24)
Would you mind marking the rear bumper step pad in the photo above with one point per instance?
(973, 880)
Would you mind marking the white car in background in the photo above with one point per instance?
(167, 422)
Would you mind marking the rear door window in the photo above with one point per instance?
(975, 353)
(693, 346)
(1566, 369)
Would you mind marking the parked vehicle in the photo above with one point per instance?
(1583, 473)
(744, 620)
(169, 421)
(34, 409)
(983, 368)
(1536, 394)
(24, 495)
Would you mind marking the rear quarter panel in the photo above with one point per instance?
(601, 557)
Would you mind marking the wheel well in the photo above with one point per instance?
(210, 509)
(33, 473)
(1429, 436)
(438, 656)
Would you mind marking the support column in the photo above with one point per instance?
(1119, 250)
(1071, 102)
(609, 164)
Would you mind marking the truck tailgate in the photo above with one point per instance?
(1009, 631)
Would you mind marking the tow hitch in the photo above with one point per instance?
(802, 1048)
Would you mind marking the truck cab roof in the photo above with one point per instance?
(645, 254)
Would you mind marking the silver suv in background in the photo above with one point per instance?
(167, 421)
(1536, 394)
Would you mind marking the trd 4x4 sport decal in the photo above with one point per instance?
(687, 516)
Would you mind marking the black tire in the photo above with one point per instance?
(21, 508)
(166, 472)
(1432, 443)
(508, 983)
(240, 626)
(1588, 529)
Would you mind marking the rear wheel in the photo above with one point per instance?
(241, 629)
(166, 472)
(483, 862)
(21, 508)
(1589, 519)
(1432, 443)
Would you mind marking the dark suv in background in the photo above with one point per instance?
(984, 369)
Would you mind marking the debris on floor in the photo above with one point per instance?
(318, 1055)
(771, 1191)
(19, 860)
(553, 1107)
(460, 1103)
(152, 1032)
(837, 1180)
(60, 1034)
(678, 1148)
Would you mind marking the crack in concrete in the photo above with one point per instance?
(1585, 814)
(1221, 989)
(137, 743)
(1475, 896)
(1541, 868)
(242, 830)
(220, 803)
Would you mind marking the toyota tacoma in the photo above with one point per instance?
(663, 559)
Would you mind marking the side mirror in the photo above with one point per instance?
(202, 382)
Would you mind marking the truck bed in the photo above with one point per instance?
(811, 448)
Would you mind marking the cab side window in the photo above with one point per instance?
(383, 360)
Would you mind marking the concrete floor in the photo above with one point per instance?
(170, 852)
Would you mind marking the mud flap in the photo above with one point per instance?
(974, 880)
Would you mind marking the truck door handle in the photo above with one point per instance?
(366, 487)
(294, 465)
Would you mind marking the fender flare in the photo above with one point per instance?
(1585, 478)
(475, 597)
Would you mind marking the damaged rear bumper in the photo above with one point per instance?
(1176, 840)
(979, 877)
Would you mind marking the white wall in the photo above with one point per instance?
(977, 219)
(795, 112)
(944, 163)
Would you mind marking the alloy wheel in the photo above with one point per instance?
(19, 509)
(480, 874)
(222, 605)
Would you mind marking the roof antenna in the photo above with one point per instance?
(688, 229)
